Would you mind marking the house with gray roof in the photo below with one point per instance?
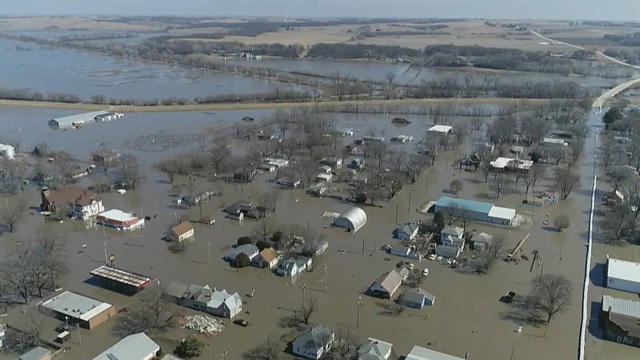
(374, 349)
(407, 231)
(249, 249)
(417, 298)
(313, 343)
(215, 302)
(388, 284)
(481, 241)
(452, 236)
(133, 347)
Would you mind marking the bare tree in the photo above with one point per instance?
(619, 224)
(269, 350)
(307, 310)
(565, 181)
(531, 177)
(129, 171)
(561, 222)
(500, 184)
(619, 175)
(485, 259)
(455, 186)
(345, 344)
(389, 78)
(151, 314)
(10, 213)
(550, 295)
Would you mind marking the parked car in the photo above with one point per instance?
(425, 272)
(241, 322)
(508, 297)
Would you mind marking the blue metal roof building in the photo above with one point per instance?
(464, 204)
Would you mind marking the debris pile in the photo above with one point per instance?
(203, 324)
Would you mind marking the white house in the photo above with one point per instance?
(215, 302)
(623, 275)
(452, 236)
(313, 343)
(374, 349)
(481, 241)
(133, 347)
(81, 203)
(293, 266)
(405, 251)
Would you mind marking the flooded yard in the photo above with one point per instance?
(467, 316)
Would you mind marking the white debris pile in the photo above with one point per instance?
(203, 324)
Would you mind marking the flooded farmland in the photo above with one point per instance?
(47, 70)
(467, 316)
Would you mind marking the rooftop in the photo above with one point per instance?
(502, 212)
(374, 349)
(121, 276)
(445, 129)
(623, 270)
(621, 306)
(133, 347)
(464, 204)
(36, 353)
(72, 194)
(76, 306)
(79, 118)
(117, 215)
(420, 353)
(182, 228)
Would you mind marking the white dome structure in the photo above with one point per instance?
(353, 219)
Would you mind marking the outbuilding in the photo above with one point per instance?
(623, 275)
(119, 220)
(37, 353)
(353, 219)
(417, 298)
(79, 309)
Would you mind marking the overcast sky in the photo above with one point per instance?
(539, 9)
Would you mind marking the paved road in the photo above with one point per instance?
(589, 175)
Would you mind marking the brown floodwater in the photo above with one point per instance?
(467, 316)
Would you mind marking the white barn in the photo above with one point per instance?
(623, 275)
(353, 219)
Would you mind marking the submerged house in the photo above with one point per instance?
(80, 202)
(388, 283)
(203, 298)
(475, 210)
(313, 343)
(407, 231)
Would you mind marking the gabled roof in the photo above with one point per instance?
(72, 194)
(249, 249)
(482, 237)
(374, 349)
(133, 347)
(390, 281)
(453, 231)
(268, 254)
(182, 228)
(417, 295)
(316, 337)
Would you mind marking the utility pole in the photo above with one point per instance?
(362, 246)
(396, 212)
(325, 276)
(409, 207)
(304, 292)
(78, 331)
(106, 260)
(358, 312)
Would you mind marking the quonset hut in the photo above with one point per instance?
(353, 219)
